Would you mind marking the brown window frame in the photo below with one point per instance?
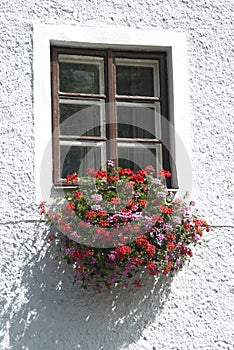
(111, 98)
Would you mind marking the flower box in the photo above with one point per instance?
(115, 223)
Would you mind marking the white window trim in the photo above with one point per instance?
(174, 43)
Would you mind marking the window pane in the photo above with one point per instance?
(135, 156)
(137, 120)
(81, 118)
(135, 81)
(137, 77)
(79, 158)
(81, 75)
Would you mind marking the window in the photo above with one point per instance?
(108, 104)
(173, 45)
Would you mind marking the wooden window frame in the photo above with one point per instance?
(111, 98)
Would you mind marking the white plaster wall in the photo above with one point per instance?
(40, 308)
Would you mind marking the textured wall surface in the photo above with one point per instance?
(40, 308)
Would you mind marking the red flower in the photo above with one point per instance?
(126, 171)
(100, 231)
(42, 208)
(151, 265)
(115, 200)
(102, 213)
(150, 250)
(122, 251)
(90, 214)
(186, 251)
(164, 173)
(171, 245)
(142, 242)
(112, 178)
(149, 168)
(187, 226)
(166, 210)
(167, 268)
(137, 261)
(137, 283)
(90, 171)
(68, 208)
(65, 227)
(199, 232)
(89, 252)
(137, 178)
(80, 268)
(78, 254)
(141, 173)
(77, 194)
(201, 223)
(157, 218)
(104, 223)
(72, 178)
(171, 237)
(71, 205)
(142, 202)
(50, 238)
(100, 174)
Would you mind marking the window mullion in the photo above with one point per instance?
(112, 152)
(166, 146)
(55, 120)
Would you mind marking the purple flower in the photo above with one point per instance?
(93, 260)
(73, 235)
(170, 255)
(156, 181)
(136, 216)
(70, 251)
(161, 194)
(148, 222)
(110, 163)
(113, 279)
(112, 255)
(176, 219)
(96, 197)
(130, 266)
(123, 272)
(181, 210)
(196, 237)
(96, 287)
(82, 276)
(166, 227)
(96, 207)
(160, 237)
(188, 218)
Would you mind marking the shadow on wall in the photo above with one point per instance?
(55, 314)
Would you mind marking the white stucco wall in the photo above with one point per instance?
(40, 308)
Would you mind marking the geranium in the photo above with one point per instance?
(116, 223)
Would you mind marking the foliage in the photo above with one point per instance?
(116, 222)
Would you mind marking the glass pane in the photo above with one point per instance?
(137, 157)
(79, 158)
(81, 118)
(138, 120)
(81, 75)
(135, 81)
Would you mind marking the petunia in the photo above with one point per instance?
(156, 181)
(96, 197)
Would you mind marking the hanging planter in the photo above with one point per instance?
(115, 223)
